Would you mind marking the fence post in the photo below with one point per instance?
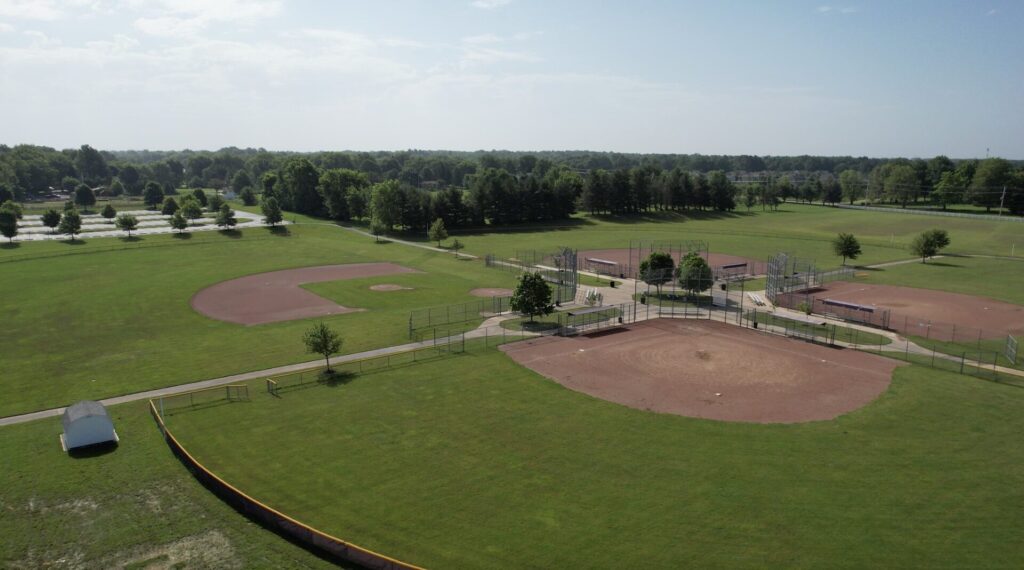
(963, 357)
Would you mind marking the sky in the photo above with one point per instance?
(880, 79)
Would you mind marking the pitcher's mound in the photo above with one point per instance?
(491, 292)
(389, 287)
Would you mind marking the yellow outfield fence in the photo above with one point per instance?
(273, 519)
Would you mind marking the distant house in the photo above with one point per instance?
(86, 423)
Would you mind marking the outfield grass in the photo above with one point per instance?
(474, 462)
(136, 506)
(801, 230)
(1001, 279)
(99, 324)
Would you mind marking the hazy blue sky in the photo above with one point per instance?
(862, 78)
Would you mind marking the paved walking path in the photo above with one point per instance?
(486, 329)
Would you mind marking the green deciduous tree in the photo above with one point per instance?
(153, 195)
(657, 269)
(322, 340)
(457, 246)
(377, 228)
(847, 246)
(178, 221)
(170, 206)
(992, 175)
(127, 223)
(247, 196)
(929, 243)
(240, 180)
(191, 209)
(532, 296)
(51, 219)
(271, 211)
(437, 232)
(694, 273)
(200, 197)
(950, 188)
(8, 225)
(226, 217)
(12, 207)
(214, 203)
(71, 223)
(84, 196)
(852, 185)
(109, 212)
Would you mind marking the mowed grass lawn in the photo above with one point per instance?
(135, 507)
(798, 229)
(475, 462)
(93, 325)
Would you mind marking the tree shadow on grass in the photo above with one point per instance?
(130, 239)
(10, 245)
(233, 234)
(75, 241)
(182, 235)
(942, 264)
(336, 378)
(281, 231)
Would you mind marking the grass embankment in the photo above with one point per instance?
(134, 507)
(482, 464)
(103, 323)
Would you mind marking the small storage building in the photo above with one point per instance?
(86, 423)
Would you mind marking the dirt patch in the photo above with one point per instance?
(276, 296)
(491, 292)
(209, 550)
(711, 370)
(913, 308)
(623, 265)
(389, 287)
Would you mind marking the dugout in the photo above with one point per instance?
(86, 423)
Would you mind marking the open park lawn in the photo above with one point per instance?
(475, 462)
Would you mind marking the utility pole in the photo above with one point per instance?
(1002, 199)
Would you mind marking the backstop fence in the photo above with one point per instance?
(559, 268)
(433, 317)
(1011, 349)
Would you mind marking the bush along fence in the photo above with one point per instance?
(277, 521)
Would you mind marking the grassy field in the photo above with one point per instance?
(135, 507)
(478, 463)
(99, 324)
(798, 229)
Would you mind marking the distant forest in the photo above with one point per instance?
(410, 189)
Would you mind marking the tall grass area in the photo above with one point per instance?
(134, 507)
(92, 325)
(475, 462)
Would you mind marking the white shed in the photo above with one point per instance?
(86, 423)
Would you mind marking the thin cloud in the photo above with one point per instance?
(489, 4)
(30, 10)
(836, 9)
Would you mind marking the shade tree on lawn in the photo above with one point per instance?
(532, 296)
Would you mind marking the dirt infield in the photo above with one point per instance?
(621, 257)
(908, 303)
(276, 296)
(491, 292)
(710, 370)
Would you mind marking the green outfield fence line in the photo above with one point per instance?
(204, 397)
(134, 245)
(273, 519)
